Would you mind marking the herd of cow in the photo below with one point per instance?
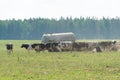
(69, 46)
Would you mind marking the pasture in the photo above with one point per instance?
(21, 65)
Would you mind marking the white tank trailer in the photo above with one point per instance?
(58, 37)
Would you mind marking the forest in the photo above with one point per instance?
(83, 28)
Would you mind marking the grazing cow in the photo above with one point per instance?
(27, 46)
(36, 46)
(9, 48)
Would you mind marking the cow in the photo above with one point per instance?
(65, 45)
(52, 47)
(35, 46)
(80, 46)
(106, 45)
(9, 48)
(38, 47)
(92, 45)
(115, 47)
(28, 47)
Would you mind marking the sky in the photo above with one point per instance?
(25, 9)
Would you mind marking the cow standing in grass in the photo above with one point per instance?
(9, 48)
(28, 47)
(38, 47)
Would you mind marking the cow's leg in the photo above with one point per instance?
(59, 49)
(11, 51)
(8, 51)
(28, 50)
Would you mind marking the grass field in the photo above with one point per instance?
(21, 65)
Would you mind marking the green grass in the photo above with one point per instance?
(22, 65)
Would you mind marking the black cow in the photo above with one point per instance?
(27, 46)
(9, 48)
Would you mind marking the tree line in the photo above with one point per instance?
(83, 28)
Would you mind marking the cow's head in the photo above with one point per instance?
(24, 46)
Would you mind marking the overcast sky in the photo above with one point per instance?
(20, 9)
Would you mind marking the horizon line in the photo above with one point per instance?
(69, 17)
